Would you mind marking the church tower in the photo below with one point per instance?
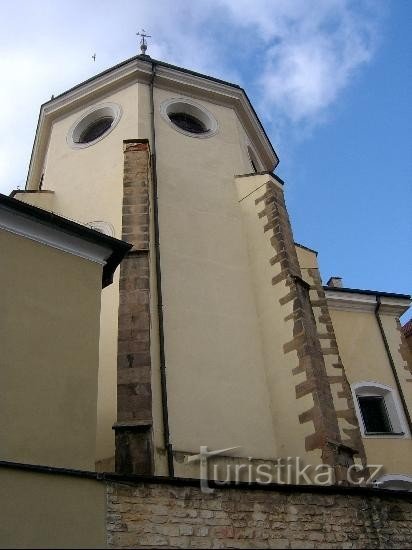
(216, 331)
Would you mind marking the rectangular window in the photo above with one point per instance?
(374, 414)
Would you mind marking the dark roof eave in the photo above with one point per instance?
(147, 60)
(119, 248)
(136, 479)
(368, 292)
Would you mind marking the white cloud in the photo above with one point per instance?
(29, 79)
(312, 49)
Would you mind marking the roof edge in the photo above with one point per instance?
(117, 247)
(368, 292)
(135, 479)
(125, 71)
(146, 59)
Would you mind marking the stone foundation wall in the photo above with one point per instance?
(151, 515)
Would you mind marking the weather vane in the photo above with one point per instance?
(143, 43)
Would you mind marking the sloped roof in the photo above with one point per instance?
(149, 60)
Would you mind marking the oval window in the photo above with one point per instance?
(189, 117)
(94, 125)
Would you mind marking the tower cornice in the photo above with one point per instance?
(168, 77)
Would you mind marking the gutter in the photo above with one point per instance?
(135, 480)
(392, 364)
(165, 411)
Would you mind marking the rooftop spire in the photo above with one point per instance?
(143, 43)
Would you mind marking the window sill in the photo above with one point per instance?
(384, 434)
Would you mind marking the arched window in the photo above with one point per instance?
(379, 410)
(103, 227)
(253, 160)
(189, 117)
(94, 125)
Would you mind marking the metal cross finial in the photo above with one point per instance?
(143, 43)
(94, 57)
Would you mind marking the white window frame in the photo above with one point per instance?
(192, 108)
(371, 388)
(87, 118)
(394, 482)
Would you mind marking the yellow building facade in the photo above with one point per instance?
(217, 332)
(52, 273)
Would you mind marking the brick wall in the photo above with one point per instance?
(134, 453)
(149, 515)
(340, 387)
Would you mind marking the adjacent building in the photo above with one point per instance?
(52, 273)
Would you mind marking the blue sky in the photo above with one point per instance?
(330, 79)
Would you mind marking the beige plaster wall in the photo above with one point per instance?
(41, 199)
(107, 379)
(50, 306)
(394, 454)
(88, 181)
(274, 330)
(365, 359)
(361, 347)
(215, 376)
(88, 186)
(307, 260)
(107, 376)
(51, 511)
(207, 288)
(391, 327)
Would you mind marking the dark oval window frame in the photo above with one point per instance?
(188, 122)
(96, 129)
